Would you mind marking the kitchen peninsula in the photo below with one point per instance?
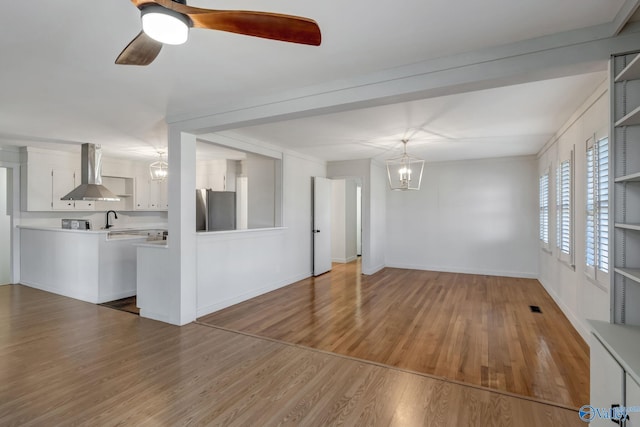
(90, 265)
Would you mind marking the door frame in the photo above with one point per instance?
(359, 183)
(13, 174)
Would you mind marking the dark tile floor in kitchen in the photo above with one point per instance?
(124, 304)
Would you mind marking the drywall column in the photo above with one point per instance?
(182, 226)
(5, 230)
(11, 160)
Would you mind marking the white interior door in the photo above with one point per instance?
(321, 225)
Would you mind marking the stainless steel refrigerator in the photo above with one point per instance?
(215, 210)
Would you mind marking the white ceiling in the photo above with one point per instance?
(59, 83)
(507, 121)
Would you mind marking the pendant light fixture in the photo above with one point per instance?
(405, 172)
(160, 169)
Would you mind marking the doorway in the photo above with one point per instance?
(6, 195)
(337, 209)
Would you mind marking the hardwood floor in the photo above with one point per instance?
(474, 329)
(66, 362)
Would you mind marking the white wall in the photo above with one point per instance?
(261, 175)
(578, 297)
(343, 220)
(378, 216)
(477, 216)
(338, 207)
(237, 265)
(5, 231)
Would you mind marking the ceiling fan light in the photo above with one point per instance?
(165, 25)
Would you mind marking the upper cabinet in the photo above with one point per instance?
(150, 195)
(46, 177)
(62, 182)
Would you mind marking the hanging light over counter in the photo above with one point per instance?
(405, 172)
(160, 169)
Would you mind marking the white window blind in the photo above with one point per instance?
(544, 208)
(564, 221)
(597, 224)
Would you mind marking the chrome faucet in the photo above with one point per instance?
(115, 216)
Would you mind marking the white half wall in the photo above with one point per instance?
(579, 297)
(237, 265)
(477, 216)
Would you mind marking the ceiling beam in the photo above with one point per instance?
(560, 55)
(624, 14)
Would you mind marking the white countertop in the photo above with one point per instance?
(152, 244)
(623, 342)
(123, 236)
(64, 230)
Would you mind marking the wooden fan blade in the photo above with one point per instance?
(275, 26)
(141, 51)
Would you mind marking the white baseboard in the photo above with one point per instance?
(373, 270)
(484, 272)
(344, 260)
(156, 316)
(64, 293)
(212, 308)
(582, 329)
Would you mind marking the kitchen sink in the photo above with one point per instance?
(149, 234)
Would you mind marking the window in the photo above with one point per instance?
(564, 220)
(544, 209)
(597, 226)
(245, 187)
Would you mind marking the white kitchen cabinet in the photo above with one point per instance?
(150, 195)
(615, 369)
(212, 174)
(62, 182)
(36, 188)
(43, 187)
(607, 377)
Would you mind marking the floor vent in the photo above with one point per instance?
(535, 309)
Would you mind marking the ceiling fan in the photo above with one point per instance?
(168, 22)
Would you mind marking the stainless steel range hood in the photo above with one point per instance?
(91, 187)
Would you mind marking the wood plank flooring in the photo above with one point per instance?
(66, 362)
(469, 328)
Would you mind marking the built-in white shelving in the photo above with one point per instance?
(628, 226)
(633, 118)
(634, 177)
(630, 72)
(629, 273)
(624, 162)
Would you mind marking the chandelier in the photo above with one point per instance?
(405, 172)
(160, 169)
